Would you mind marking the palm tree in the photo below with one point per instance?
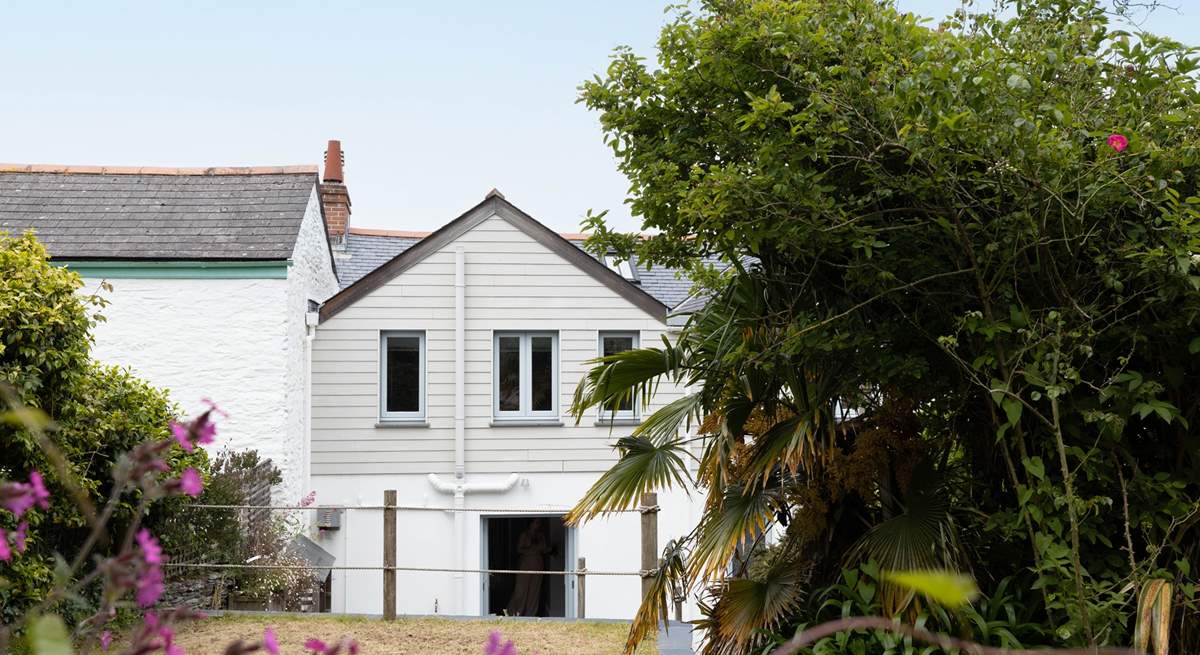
(803, 464)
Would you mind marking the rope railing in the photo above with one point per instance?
(418, 569)
(415, 508)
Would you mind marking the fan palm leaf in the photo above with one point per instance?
(645, 465)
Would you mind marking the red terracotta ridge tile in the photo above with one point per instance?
(157, 170)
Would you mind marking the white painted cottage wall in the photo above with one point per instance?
(239, 342)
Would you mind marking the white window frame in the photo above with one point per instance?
(632, 412)
(423, 373)
(526, 378)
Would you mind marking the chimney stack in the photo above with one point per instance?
(335, 198)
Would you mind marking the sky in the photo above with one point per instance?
(435, 102)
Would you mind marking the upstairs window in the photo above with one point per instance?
(402, 376)
(612, 343)
(623, 268)
(525, 375)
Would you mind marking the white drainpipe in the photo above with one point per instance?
(310, 332)
(460, 487)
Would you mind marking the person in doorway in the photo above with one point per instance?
(532, 546)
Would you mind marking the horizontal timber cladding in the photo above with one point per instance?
(513, 282)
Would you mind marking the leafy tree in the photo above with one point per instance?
(958, 328)
(97, 413)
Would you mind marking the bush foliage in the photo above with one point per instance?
(959, 325)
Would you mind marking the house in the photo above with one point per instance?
(444, 369)
(214, 273)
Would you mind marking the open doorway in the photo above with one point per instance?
(524, 543)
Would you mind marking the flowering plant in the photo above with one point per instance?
(132, 576)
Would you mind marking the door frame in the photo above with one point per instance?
(569, 560)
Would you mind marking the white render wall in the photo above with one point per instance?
(611, 544)
(238, 342)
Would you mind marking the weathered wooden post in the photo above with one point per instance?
(580, 581)
(389, 555)
(649, 510)
(678, 609)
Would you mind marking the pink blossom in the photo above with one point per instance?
(269, 642)
(315, 645)
(151, 551)
(19, 497)
(180, 432)
(309, 499)
(19, 536)
(40, 494)
(206, 430)
(1118, 142)
(5, 551)
(190, 482)
(151, 620)
(493, 646)
(212, 407)
(150, 587)
(105, 640)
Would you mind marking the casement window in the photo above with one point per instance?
(402, 376)
(525, 375)
(612, 343)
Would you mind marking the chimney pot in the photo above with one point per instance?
(334, 161)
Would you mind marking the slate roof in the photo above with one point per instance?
(158, 214)
(367, 249)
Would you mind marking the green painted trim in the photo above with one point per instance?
(176, 270)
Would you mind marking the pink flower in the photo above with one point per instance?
(1117, 142)
(493, 646)
(105, 640)
(41, 496)
(206, 430)
(315, 645)
(270, 643)
(18, 497)
(151, 551)
(150, 587)
(5, 551)
(19, 536)
(180, 432)
(190, 482)
(309, 499)
(212, 407)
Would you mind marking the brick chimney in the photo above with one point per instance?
(334, 196)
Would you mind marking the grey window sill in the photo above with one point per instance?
(399, 424)
(618, 422)
(526, 423)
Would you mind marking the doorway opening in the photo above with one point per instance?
(526, 543)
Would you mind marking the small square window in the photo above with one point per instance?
(624, 268)
(402, 376)
(525, 375)
(612, 343)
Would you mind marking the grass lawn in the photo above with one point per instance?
(415, 636)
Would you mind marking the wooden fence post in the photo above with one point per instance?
(649, 512)
(580, 581)
(389, 555)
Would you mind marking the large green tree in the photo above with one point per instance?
(959, 324)
(96, 414)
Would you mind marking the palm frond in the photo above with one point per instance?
(741, 515)
(631, 375)
(671, 419)
(669, 579)
(645, 465)
(747, 607)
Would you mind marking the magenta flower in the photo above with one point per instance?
(315, 645)
(19, 536)
(190, 482)
(150, 587)
(494, 647)
(105, 640)
(206, 430)
(269, 642)
(5, 551)
(151, 551)
(40, 495)
(1117, 142)
(180, 432)
(212, 407)
(309, 499)
(18, 497)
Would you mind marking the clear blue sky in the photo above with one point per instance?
(435, 102)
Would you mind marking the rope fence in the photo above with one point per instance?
(253, 518)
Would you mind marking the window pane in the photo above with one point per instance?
(542, 373)
(612, 345)
(508, 391)
(403, 374)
